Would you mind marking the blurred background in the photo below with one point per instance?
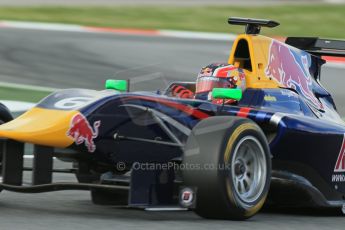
(297, 17)
(121, 40)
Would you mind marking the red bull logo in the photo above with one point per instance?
(82, 132)
(340, 165)
(291, 70)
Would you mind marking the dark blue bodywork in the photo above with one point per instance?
(147, 127)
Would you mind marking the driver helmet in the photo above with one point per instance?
(218, 75)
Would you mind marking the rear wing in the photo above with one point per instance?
(253, 26)
(318, 46)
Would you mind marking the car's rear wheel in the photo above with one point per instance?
(235, 183)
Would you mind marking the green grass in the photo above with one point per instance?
(303, 20)
(11, 93)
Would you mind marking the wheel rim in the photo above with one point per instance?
(248, 168)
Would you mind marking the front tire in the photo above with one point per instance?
(237, 184)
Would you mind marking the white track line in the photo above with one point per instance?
(198, 35)
(42, 26)
(28, 87)
(85, 29)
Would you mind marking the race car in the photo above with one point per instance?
(275, 138)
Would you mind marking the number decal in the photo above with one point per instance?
(72, 102)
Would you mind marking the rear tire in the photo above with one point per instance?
(236, 181)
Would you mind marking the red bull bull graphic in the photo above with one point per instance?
(291, 69)
(82, 132)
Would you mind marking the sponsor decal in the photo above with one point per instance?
(291, 69)
(187, 197)
(270, 98)
(340, 165)
(339, 168)
(338, 178)
(82, 132)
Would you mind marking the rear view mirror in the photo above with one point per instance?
(227, 93)
(120, 85)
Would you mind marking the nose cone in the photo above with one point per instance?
(40, 126)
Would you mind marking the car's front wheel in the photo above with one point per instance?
(232, 168)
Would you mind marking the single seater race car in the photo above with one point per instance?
(279, 140)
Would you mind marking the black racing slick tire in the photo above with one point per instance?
(227, 163)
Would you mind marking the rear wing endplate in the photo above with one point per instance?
(318, 46)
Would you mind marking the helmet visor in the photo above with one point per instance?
(206, 84)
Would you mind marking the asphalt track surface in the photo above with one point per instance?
(66, 59)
